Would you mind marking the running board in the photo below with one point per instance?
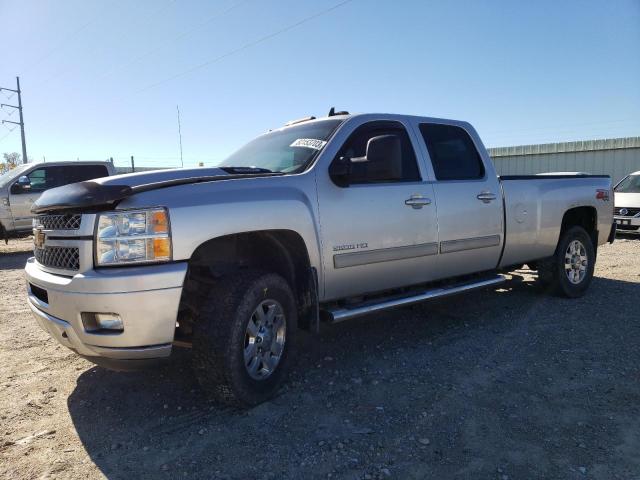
(346, 313)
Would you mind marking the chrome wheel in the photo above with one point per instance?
(264, 339)
(576, 262)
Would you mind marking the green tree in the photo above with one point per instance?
(11, 161)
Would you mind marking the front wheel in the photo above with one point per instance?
(570, 271)
(244, 338)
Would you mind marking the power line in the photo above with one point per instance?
(180, 36)
(62, 43)
(245, 46)
(5, 136)
(64, 71)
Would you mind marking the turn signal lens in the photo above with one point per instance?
(161, 249)
(159, 222)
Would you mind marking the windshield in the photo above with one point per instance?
(12, 174)
(288, 150)
(631, 184)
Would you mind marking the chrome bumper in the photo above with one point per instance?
(146, 298)
(627, 221)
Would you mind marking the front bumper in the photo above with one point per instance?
(627, 223)
(146, 298)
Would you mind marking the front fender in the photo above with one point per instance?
(205, 211)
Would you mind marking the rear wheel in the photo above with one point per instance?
(244, 337)
(570, 271)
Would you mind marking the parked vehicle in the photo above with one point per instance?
(627, 203)
(322, 220)
(20, 187)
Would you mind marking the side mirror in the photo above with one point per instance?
(384, 153)
(383, 161)
(22, 185)
(24, 181)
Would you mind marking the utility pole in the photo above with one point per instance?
(21, 122)
(133, 167)
(180, 136)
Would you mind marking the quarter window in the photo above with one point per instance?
(453, 154)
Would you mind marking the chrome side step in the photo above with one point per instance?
(346, 313)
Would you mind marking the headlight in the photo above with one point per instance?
(133, 236)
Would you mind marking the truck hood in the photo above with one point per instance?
(108, 191)
(155, 176)
(627, 200)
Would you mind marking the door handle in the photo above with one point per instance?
(417, 201)
(486, 196)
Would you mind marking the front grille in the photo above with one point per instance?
(631, 212)
(65, 258)
(60, 222)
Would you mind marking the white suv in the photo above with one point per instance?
(627, 203)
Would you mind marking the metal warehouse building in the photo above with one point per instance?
(613, 156)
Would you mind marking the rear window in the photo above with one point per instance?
(81, 173)
(453, 154)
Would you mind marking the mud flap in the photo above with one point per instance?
(310, 313)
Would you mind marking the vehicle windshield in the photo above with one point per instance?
(631, 184)
(12, 174)
(288, 150)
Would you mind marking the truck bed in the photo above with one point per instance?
(534, 207)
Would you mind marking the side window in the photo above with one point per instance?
(356, 146)
(38, 179)
(82, 173)
(453, 154)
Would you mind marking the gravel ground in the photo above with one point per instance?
(502, 384)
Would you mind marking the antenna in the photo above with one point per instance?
(180, 136)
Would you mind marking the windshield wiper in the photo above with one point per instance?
(246, 170)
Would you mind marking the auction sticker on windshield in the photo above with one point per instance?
(309, 143)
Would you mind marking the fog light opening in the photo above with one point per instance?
(102, 322)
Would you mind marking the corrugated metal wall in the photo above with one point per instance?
(615, 157)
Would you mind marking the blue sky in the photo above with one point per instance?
(103, 78)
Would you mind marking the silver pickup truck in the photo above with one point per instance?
(322, 220)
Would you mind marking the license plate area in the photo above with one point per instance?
(620, 221)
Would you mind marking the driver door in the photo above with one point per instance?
(376, 234)
(21, 199)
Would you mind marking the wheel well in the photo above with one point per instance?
(585, 217)
(279, 251)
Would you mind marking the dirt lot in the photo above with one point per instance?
(504, 384)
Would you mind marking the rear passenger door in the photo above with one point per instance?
(468, 199)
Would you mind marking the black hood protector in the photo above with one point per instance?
(83, 195)
(92, 195)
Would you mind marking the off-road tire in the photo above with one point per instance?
(219, 337)
(551, 271)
